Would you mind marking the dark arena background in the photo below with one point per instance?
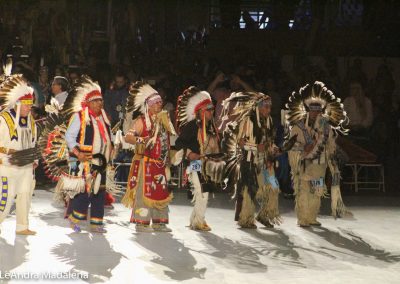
(220, 46)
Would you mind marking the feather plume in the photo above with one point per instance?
(332, 107)
(81, 87)
(187, 102)
(136, 102)
(7, 68)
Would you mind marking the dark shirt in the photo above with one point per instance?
(188, 138)
(112, 99)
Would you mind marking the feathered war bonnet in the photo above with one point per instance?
(190, 103)
(83, 91)
(243, 104)
(316, 97)
(141, 95)
(14, 90)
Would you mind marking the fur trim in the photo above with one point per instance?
(200, 200)
(337, 204)
(307, 205)
(246, 217)
(71, 185)
(269, 199)
(112, 187)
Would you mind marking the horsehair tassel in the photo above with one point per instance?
(204, 126)
(86, 119)
(215, 129)
(17, 116)
(307, 118)
(147, 118)
(105, 117)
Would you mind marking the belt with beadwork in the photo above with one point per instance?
(4, 150)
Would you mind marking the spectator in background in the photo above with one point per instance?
(221, 88)
(59, 71)
(115, 97)
(384, 86)
(356, 73)
(32, 77)
(359, 110)
(59, 88)
(73, 74)
(44, 82)
(167, 104)
(276, 100)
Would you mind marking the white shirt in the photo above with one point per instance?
(61, 97)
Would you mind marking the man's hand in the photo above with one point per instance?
(261, 147)
(35, 165)
(242, 142)
(274, 150)
(194, 156)
(308, 148)
(82, 157)
(236, 79)
(220, 77)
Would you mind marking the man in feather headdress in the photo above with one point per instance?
(315, 117)
(147, 192)
(249, 144)
(18, 133)
(88, 139)
(198, 142)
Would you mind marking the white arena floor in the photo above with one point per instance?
(362, 249)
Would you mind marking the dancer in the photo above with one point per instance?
(315, 117)
(18, 134)
(249, 144)
(89, 143)
(198, 142)
(147, 192)
(77, 154)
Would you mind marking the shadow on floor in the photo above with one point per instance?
(349, 241)
(89, 253)
(172, 254)
(277, 245)
(233, 254)
(12, 256)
